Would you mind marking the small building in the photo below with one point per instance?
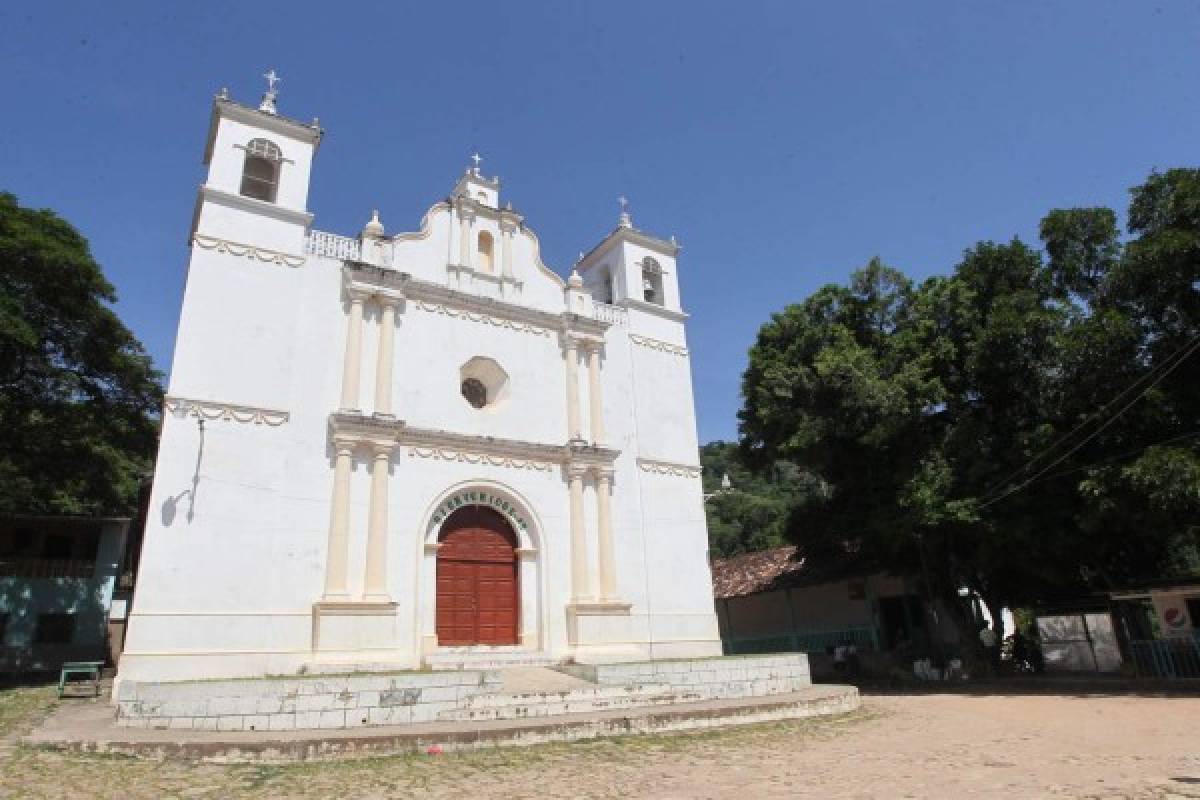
(58, 578)
(771, 600)
(1078, 635)
(1159, 623)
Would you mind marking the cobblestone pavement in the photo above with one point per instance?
(899, 746)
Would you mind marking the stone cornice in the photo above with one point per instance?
(658, 467)
(470, 205)
(246, 250)
(231, 109)
(633, 236)
(210, 409)
(442, 299)
(633, 304)
(242, 203)
(465, 447)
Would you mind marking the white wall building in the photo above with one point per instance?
(394, 449)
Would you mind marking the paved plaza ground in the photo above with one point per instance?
(1007, 744)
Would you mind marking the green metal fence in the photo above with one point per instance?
(803, 641)
(1167, 658)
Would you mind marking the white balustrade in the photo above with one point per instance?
(321, 243)
(613, 315)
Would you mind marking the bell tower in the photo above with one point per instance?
(634, 269)
(256, 190)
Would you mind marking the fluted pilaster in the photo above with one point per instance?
(337, 555)
(352, 361)
(383, 366)
(581, 590)
(606, 564)
(595, 398)
(375, 578)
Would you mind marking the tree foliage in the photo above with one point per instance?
(1028, 426)
(77, 391)
(750, 513)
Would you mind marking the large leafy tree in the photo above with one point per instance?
(78, 393)
(1026, 426)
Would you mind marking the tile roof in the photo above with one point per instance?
(749, 573)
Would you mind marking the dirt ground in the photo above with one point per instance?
(1008, 745)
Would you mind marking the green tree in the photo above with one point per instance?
(78, 394)
(1026, 426)
(750, 513)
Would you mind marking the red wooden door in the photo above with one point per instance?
(476, 579)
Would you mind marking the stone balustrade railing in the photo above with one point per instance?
(321, 243)
(613, 315)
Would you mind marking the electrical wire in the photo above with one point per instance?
(1167, 364)
(1192, 347)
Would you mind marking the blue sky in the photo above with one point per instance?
(783, 143)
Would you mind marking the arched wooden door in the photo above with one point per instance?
(476, 579)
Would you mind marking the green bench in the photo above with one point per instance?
(89, 670)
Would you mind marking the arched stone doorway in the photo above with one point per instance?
(477, 579)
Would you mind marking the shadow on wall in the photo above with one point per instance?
(170, 506)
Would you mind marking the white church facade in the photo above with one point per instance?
(392, 450)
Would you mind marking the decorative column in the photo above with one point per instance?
(464, 235)
(581, 590)
(606, 564)
(506, 237)
(383, 366)
(339, 524)
(572, 347)
(375, 580)
(353, 358)
(594, 396)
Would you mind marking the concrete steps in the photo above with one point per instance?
(89, 729)
(449, 658)
(529, 705)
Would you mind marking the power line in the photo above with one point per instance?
(1121, 457)
(1167, 365)
(1194, 345)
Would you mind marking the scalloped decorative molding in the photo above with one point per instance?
(499, 322)
(658, 344)
(247, 251)
(208, 409)
(467, 457)
(668, 468)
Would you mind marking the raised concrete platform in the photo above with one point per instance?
(90, 728)
(332, 702)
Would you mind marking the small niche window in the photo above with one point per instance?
(485, 248)
(260, 173)
(652, 284)
(475, 392)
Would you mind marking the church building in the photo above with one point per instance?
(403, 450)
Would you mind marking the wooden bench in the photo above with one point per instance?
(89, 670)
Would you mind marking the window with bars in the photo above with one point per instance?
(260, 173)
(652, 286)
